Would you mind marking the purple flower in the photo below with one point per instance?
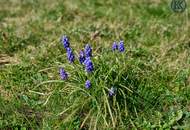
(70, 55)
(112, 91)
(121, 46)
(81, 56)
(88, 50)
(65, 41)
(89, 67)
(63, 74)
(114, 46)
(87, 84)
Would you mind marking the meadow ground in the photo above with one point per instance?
(152, 75)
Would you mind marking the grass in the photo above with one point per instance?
(152, 76)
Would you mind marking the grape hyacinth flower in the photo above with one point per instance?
(63, 74)
(89, 67)
(81, 56)
(70, 55)
(121, 46)
(114, 46)
(87, 84)
(112, 91)
(65, 41)
(88, 50)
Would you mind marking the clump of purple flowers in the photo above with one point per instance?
(63, 74)
(120, 47)
(87, 84)
(70, 55)
(65, 41)
(88, 50)
(85, 59)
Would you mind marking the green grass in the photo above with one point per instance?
(152, 76)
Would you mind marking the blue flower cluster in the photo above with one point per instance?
(89, 67)
(120, 47)
(85, 59)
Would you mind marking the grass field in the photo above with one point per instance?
(152, 76)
